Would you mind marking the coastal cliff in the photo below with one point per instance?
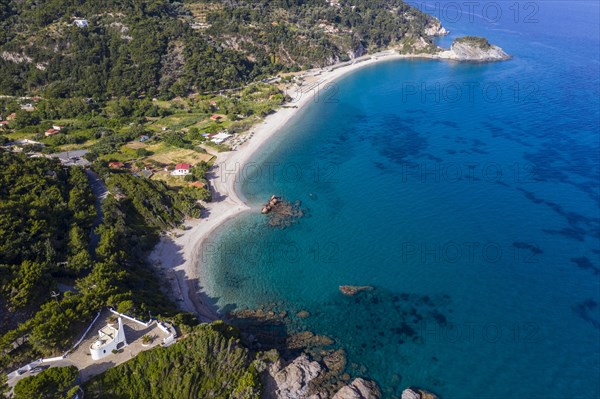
(435, 28)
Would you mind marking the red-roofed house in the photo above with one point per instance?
(182, 169)
(216, 117)
(197, 184)
(116, 165)
(4, 123)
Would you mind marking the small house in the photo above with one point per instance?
(182, 169)
(59, 128)
(11, 117)
(216, 117)
(144, 138)
(116, 165)
(4, 123)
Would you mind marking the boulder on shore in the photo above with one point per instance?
(292, 381)
(416, 393)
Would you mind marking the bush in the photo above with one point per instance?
(142, 152)
(125, 306)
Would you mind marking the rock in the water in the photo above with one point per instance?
(292, 381)
(303, 314)
(359, 389)
(354, 289)
(307, 339)
(335, 361)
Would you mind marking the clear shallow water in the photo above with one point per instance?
(474, 214)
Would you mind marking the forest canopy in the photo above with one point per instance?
(159, 46)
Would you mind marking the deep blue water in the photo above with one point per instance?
(467, 195)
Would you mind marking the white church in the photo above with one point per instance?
(109, 339)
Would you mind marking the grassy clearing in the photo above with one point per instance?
(178, 155)
(124, 155)
(170, 180)
(178, 121)
(134, 145)
(72, 147)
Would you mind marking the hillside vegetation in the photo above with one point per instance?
(152, 46)
(53, 383)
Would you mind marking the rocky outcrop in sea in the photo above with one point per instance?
(473, 51)
(299, 379)
(282, 213)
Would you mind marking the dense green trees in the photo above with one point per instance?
(151, 203)
(140, 46)
(45, 220)
(46, 214)
(52, 383)
(210, 363)
(116, 55)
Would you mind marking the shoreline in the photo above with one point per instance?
(178, 252)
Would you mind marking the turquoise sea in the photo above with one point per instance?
(467, 195)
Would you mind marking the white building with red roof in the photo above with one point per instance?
(182, 169)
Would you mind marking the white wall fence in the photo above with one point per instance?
(169, 330)
(131, 318)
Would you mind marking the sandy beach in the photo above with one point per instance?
(178, 252)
